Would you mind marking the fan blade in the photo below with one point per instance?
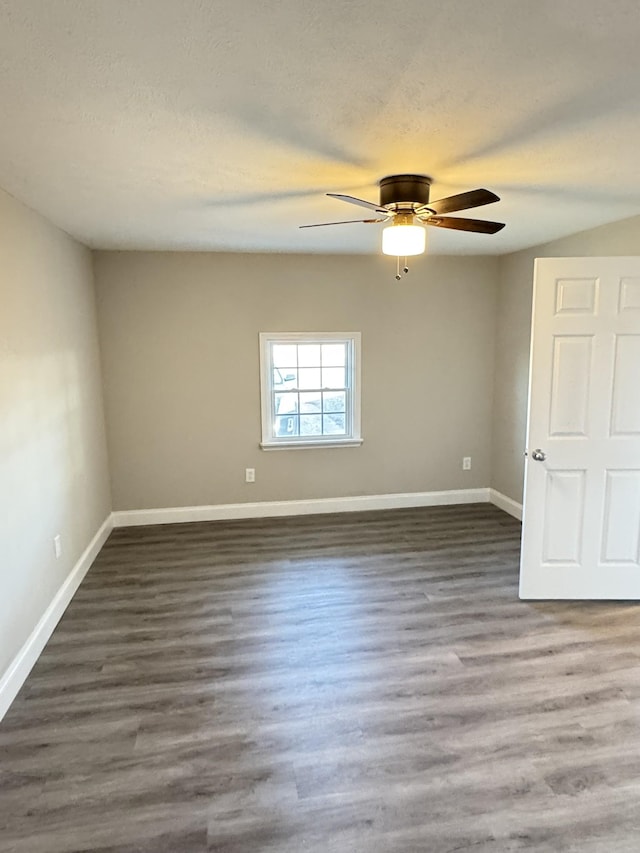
(481, 226)
(353, 200)
(346, 222)
(462, 201)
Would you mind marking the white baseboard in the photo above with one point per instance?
(506, 504)
(16, 674)
(270, 509)
(14, 677)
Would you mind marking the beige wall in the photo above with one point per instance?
(515, 285)
(53, 463)
(179, 338)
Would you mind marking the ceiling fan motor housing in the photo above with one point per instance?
(404, 190)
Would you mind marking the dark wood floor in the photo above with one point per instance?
(366, 682)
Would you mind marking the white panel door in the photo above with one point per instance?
(581, 521)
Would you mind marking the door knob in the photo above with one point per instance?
(538, 455)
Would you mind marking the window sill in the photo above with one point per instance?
(310, 445)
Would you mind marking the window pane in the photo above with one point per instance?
(309, 355)
(284, 355)
(287, 425)
(310, 402)
(334, 401)
(333, 377)
(333, 355)
(284, 378)
(309, 377)
(334, 424)
(286, 404)
(310, 424)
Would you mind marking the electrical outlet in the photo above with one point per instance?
(249, 475)
(466, 463)
(57, 546)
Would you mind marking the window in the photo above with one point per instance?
(310, 389)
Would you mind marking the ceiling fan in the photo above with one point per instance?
(405, 205)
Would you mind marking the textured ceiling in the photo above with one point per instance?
(219, 125)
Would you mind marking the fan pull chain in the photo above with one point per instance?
(405, 268)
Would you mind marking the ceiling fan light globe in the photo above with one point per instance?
(404, 240)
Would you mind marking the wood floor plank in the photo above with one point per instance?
(349, 683)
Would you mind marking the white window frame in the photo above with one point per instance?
(352, 438)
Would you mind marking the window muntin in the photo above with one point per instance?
(310, 389)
